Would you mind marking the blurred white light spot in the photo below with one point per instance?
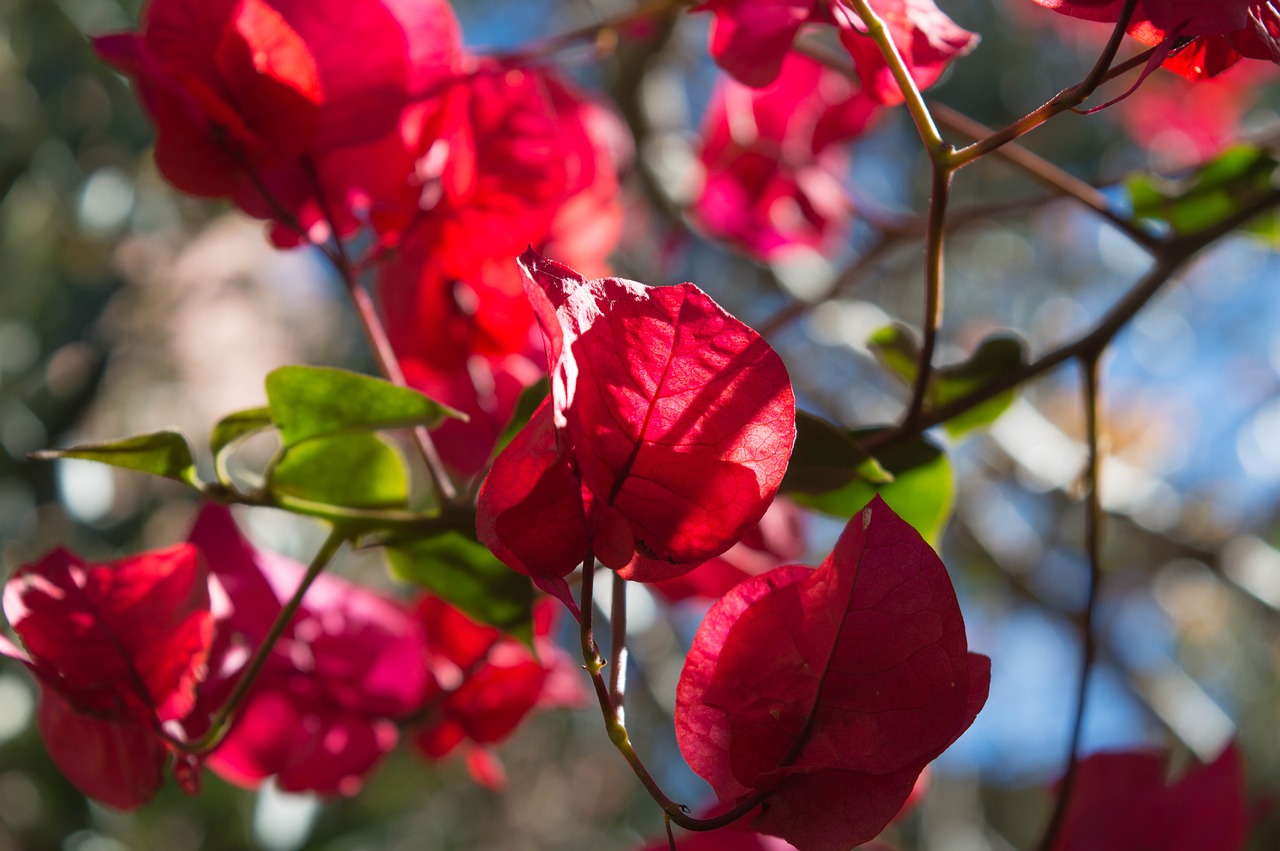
(21, 431)
(1258, 444)
(804, 273)
(88, 489)
(847, 323)
(16, 704)
(1120, 255)
(105, 202)
(1254, 565)
(282, 821)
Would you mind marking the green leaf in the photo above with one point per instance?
(232, 427)
(1207, 196)
(530, 398)
(164, 453)
(996, 356)
(458, 569)
(307, 402)
(896, 348)
(352, 470)
(922, 491)
(826, 458)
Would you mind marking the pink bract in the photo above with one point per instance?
(322, 711)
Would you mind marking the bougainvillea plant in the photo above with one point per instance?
(565, 422)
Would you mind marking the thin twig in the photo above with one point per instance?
(376, 334)
(1050, 175)
(1064, 100)
(221, 721)
(1089, 642)
(618, 647)
(934, 271)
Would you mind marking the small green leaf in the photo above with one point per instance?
(164, 453)
(922, 490)
(1207, 196)
(996, 357)
(458, 569)
(306, 402)
(235, 426)
(530, 398)
(353, 470)
(826, 458)
(896, 349)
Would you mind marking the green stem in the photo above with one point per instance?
(221, 721)
(936, 146)
(1092, 545)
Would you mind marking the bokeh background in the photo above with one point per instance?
(125, 307)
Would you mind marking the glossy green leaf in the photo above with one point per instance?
(356, 470)
(307, 402)
(826, 457)
(1206, 197)
(164, 453)
(235, 426)
(456, 567)
(530, 398)
(922, 491)
(996, 356)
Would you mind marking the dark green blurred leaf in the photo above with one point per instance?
(896, 349)
(356, 470)
(458, 569)
(306, 402)
(826, 457)
(1206, 197)
(164, 453)
(530, 398)
(922, 491)
(235, 426)
(996, 357)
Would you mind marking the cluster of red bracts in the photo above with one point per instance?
(135, 659)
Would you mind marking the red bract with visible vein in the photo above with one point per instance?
(750, 38)
(321, 713)
(248, 94)
(118, 650)
(1222, 32)
(665, 437)
(1121, 802)
(831, 689)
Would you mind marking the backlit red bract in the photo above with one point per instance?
(665, 437)
(750, 38)
(254, 94)
(831, 689)
(118, 650)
